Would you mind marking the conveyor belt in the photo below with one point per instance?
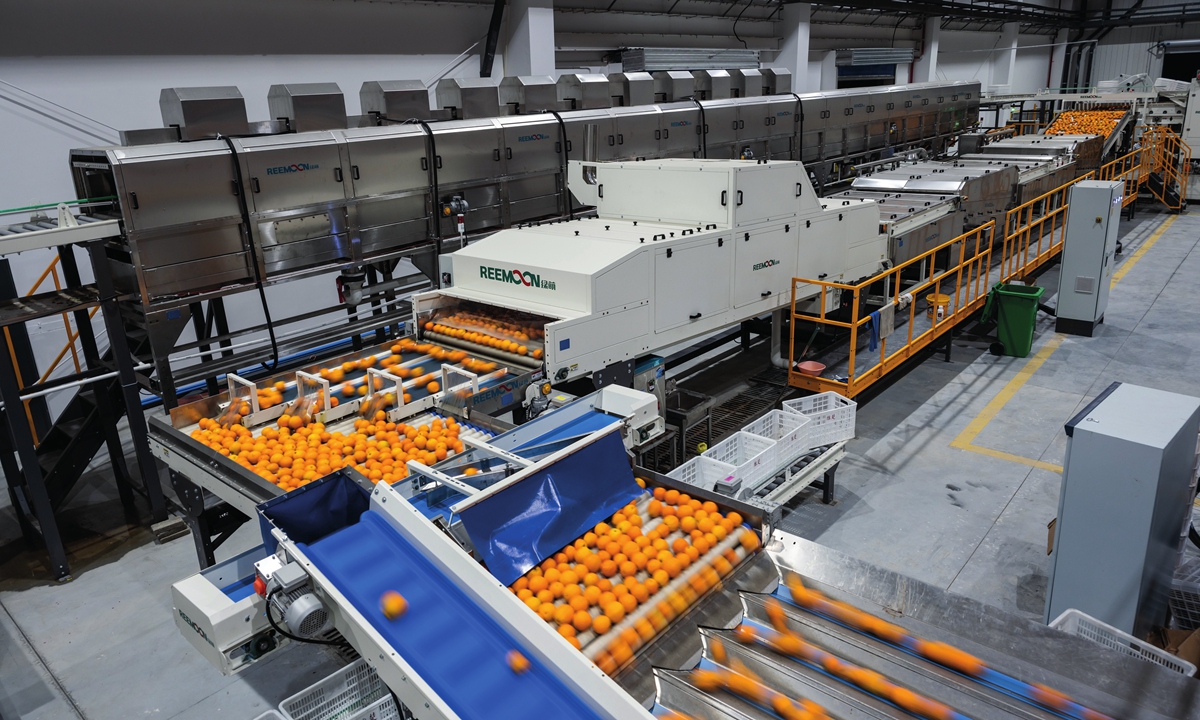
(454, 646)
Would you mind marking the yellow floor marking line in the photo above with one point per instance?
(1137, 255)
(965, 439)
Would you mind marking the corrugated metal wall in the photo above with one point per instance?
(1126, 50)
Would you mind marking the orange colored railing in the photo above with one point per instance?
(963, 280)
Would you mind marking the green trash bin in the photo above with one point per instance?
(1015, 309)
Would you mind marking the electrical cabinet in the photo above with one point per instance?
(1125, 493)
(1089, 250)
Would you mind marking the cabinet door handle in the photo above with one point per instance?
(694, 316)
(724, 197)
(620, 139)
(496, 155)
(254, 184)
(612, 140)
(739, 202)
(658, 134)
(798, 186)
(354, 171)
(508, 153)
(439, 162)
(133, 200)
(666, 134)
(425, 164)
(765, 293)
(337, 174)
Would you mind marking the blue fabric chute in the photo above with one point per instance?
(525, 523)
(313, 511)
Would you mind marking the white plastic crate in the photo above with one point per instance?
(1185, 594)
(752, 456)
(1074, 622)
(382, 709)
(341, 696)
(703, 472)
(789, 430)
(831, 417)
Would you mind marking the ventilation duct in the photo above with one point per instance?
(308, 107)
(204, 112)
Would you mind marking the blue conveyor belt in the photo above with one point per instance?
(447, 639)
(578, 427)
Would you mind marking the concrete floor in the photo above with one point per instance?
(951, 480)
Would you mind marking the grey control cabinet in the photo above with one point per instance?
(1126, 489)
(1089, 251)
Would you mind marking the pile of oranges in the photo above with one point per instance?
(593, 584)
(298, 451)
(1085, 122)
(512, 346)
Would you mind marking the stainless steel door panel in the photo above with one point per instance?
(783, 115)
(754, 119)
(720, 121)
(678, 125)
(214, 239)
(387, 160)
(606, 135)
(388, 211)
(189, 277)
(534, 207)
(531, 144)
(306, 253)
(535, 186)
(815, 108)
(468, 151)
(177, 188)
(780, 148)
(385, 238)
(284, 173)
(638, 132)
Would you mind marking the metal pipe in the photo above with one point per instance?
(77, 383)
(493, 36)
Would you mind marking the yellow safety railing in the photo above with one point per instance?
(1033, 232)
(1170, 157)
(962, 279)
(1032, 236)
(51, 272)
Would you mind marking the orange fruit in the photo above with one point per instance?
(601, 624)
(582, 620)
(393, 605)
(629, 602)
(517, 662)
(615, 611)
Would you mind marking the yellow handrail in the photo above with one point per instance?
(1033, 234)
(968, 259)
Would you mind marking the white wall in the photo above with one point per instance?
(973, 55)
(1126, 50)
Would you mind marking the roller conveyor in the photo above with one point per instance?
(458, 650)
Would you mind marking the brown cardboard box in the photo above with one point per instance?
(1050, 535)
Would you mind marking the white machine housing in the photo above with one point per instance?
(640, 410)
(230, 634)
(681, 248)
(1088, 255)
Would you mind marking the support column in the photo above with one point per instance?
(793, 52)
(1058, 60)
(1004, 62)
(829, 71)
(925, 67)
(530, 49)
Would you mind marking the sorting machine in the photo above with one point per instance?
(466, 646)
